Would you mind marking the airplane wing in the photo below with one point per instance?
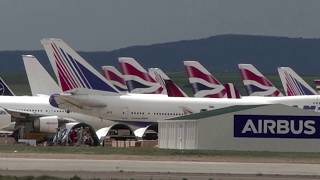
(25, 116)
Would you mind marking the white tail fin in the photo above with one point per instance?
(39, 79)
(173, 90)
(204, 84)
(256, 83)
(115, 77)
(72, 71)
(293, 84)
(138, 79)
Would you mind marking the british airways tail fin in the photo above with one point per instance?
(138, 79)
(293, 84)
(317, 83)
(256, 83)
(115, 77)
(173, 90)
(40, 81)
(232, 92)
(203, 83)
(72, 71)
(4, 89)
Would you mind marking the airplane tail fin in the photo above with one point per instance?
(317, 83)
(115, 77)
(4, 89)
(138, 79)
(256, 83)
(204, 84)
(40, 81)
(72, 71)
(173, 90)
(232, 92)
(293, 84)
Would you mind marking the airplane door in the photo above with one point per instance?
(125, 113)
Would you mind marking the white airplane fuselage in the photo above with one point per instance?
(150, 108)
(40, 105)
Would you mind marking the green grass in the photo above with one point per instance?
(149, 152)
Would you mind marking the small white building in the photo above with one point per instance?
(244, 128)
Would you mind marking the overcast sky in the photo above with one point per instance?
(111, 24)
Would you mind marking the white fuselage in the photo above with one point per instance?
(40, 105)
(150, 108)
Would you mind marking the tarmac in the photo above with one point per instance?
(197, 170)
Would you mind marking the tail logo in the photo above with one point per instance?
(73, 74)
(294, 87)
(256, 84)
(202, 82)
(115, 77)
(137, 79)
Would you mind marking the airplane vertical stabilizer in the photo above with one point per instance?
(138, 79)
(115, 77)
(232, 92)
(293, 84)
(256, 83)
(173, 90)
(203, 83)
(4, 89)
(72, 71)
(317, 83)
(40, 81)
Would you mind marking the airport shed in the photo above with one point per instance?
(292, 130)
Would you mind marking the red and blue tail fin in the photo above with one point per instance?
(173, 90)
(4, 89)
(72, 71)
(203, 83)
(256, 83)
(293, 84)
(138, 79)
(317, 83)
(232, 92)
(115, 77)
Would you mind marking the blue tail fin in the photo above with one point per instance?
(4, 89)
(293, 84)
(72, 71)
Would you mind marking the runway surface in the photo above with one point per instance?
(71, 165)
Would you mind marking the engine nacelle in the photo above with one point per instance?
(47, 124)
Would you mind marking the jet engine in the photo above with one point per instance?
(47, 124)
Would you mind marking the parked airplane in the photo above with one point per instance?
(256, 83)
(115, 77)
(87, 91)
(99, 97)
(293, 84)
(204, 84)
(37, 109)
